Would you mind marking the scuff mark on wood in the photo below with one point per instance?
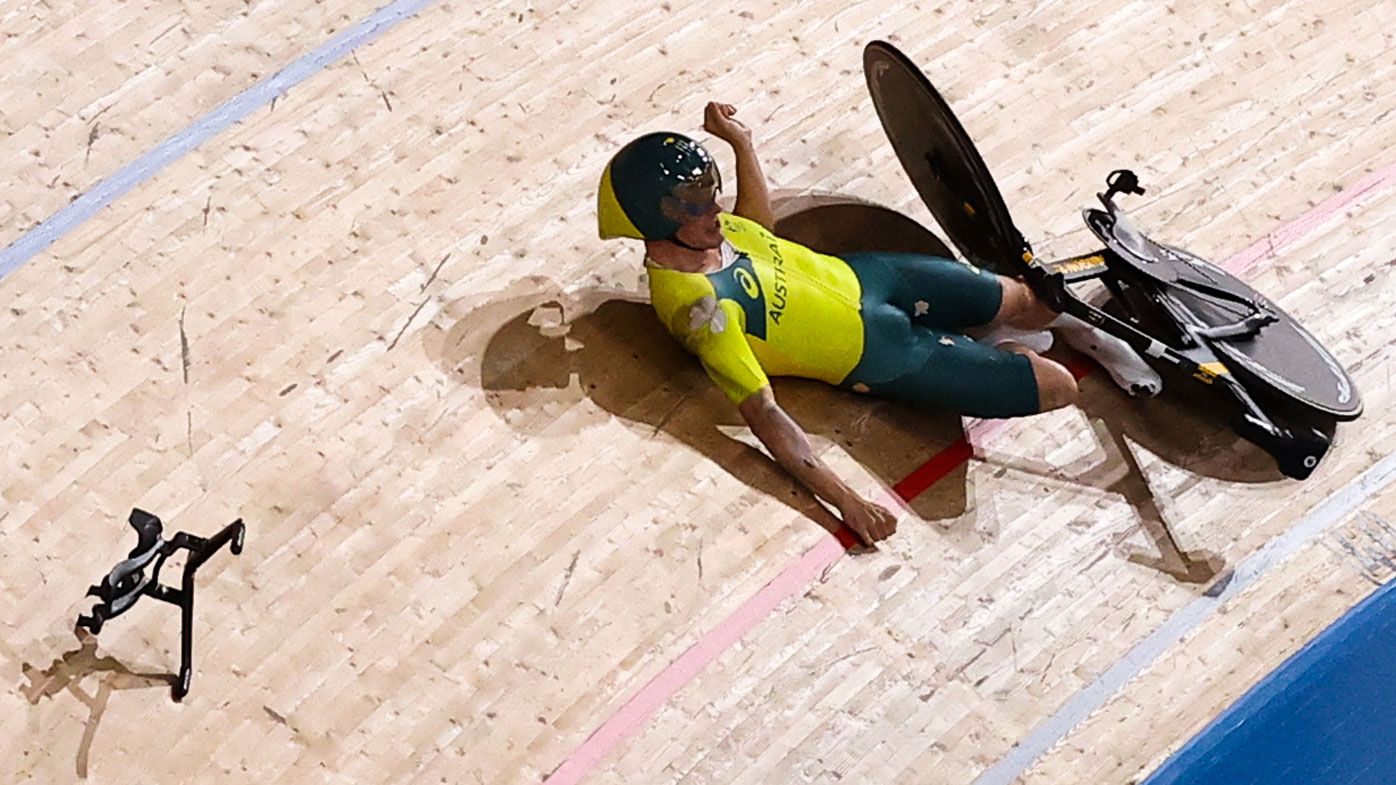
(405, 325)
(436, 271)
(184, 345)
(434, 423)
(663, 421)
(381, 92)
(91, 137)
(850, 654)
(567, 578)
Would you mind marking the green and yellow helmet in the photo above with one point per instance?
(652, 184)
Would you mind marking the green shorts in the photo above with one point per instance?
(914, 308)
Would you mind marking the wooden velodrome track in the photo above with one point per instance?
(501, 528)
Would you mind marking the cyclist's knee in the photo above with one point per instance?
(1021, 307)
(1056, 387)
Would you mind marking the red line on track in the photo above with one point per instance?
(644, 703)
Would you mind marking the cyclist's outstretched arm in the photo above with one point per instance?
(790, 447)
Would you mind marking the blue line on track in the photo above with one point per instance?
(221, 119)
(1341, 503)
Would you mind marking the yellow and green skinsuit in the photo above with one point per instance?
(875, 322)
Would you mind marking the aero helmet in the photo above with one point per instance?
(653, 184)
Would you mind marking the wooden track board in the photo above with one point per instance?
(488, 502)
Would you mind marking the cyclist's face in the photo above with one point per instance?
(694, 205)
(702, 230)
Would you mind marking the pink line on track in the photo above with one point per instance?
(637, 711)
(647, 701)
(1292, 231)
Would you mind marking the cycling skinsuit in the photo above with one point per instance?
(881, 323)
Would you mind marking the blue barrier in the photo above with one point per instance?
(1327, 716)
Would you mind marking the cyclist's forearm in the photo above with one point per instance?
(753, 196)
(791, 449)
